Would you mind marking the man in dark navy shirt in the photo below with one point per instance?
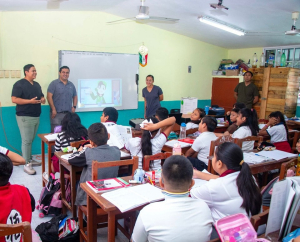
(28, 96)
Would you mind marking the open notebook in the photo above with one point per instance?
(128, 198)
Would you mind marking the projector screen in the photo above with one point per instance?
(102, 79)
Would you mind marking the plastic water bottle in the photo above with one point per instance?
(283, 60)
(176, 149)
(206, 109)
(278, 58)
(262, 60)
(254, 64)
(139, 175)
(182, 131)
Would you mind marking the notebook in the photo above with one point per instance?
(105, 185)
(126, 199)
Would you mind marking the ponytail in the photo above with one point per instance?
(232, 156)
(146, 145)
(251, 120)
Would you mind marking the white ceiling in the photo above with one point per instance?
(273, 17)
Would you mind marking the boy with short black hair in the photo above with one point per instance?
(167, 220)
(202, 143)
(161, 113)
(16, 202)
(98, 150)
(109, 115)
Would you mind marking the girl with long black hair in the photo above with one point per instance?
(234, 190)
(152, 140)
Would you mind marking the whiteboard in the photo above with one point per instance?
(102, 79)
(188, 104)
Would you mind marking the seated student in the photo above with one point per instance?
(248, 126)
(178, 217)
(236, 105)
(97, 150)
(196, 117)
(276, 128)
(109, 119)
(235, 190)
(16, 202)
(233, 117)
(161, 113)
(15, 158)
(152, 141)
(202, 143)
(72, 130)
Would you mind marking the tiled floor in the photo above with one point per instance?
(34, 184)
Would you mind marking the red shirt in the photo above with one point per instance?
(15, 207)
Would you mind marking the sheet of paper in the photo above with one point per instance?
(124, 154)
(276, 154)
(51, 137)
(188, 105)
(125, 132)
(119, 135)
(171, 143)
(66, 156)
(199, 183)
(253, 158)
(277, 207)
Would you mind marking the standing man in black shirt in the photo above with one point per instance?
(28, 96)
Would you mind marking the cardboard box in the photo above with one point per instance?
(232, 72)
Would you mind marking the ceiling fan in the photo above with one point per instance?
(294, 30)
(218, 5)
(144, 15)
(53, 4)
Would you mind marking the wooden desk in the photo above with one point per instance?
(94, 199)
(166, 148)
(75, 172)
(50, 144)
(64, 165)
(293, 124)
(221, 129)
(136, 133)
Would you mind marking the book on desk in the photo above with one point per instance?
(129, 198)
(105, 185)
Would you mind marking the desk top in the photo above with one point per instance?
(42, 136)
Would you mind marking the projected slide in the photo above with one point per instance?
(99, 93)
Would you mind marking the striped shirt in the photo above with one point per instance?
(62, 142)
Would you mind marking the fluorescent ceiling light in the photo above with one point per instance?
(222, 25)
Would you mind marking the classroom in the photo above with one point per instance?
(33, 32)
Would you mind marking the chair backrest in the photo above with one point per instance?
(259, 219)
(134, 162)
(213, 145)
(20, 228)
(285, 166)
(159, 156)
(77, 143)
(257, 140)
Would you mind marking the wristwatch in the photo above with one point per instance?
(74, 107)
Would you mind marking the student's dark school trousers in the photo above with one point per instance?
(198, 164)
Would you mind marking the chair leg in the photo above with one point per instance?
(80, 221)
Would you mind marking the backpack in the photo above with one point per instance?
(50, 199)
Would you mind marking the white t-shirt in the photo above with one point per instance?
(221, 195)
(277, 133)
(202, 145)
(243, 132)
(191, 125)
(134, 147)
(176, 219)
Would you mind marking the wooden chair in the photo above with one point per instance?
(213, 146)
(257, 140)
(285, 166)
(191, 131)
(295, 140)
(77, 143)
(11, 229)
(259, 219)
(102, 217)
(159, 156)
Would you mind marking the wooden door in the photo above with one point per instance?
(222, 92)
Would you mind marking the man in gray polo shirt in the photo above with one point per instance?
(62, 97)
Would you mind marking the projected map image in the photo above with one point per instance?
(99, 93)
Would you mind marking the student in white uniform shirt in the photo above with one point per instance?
(276, 128)
(235, 190)
(152, 141)
(248, 126)
(202, 143)
(196, 117)
(109, 119)
(178, 218)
